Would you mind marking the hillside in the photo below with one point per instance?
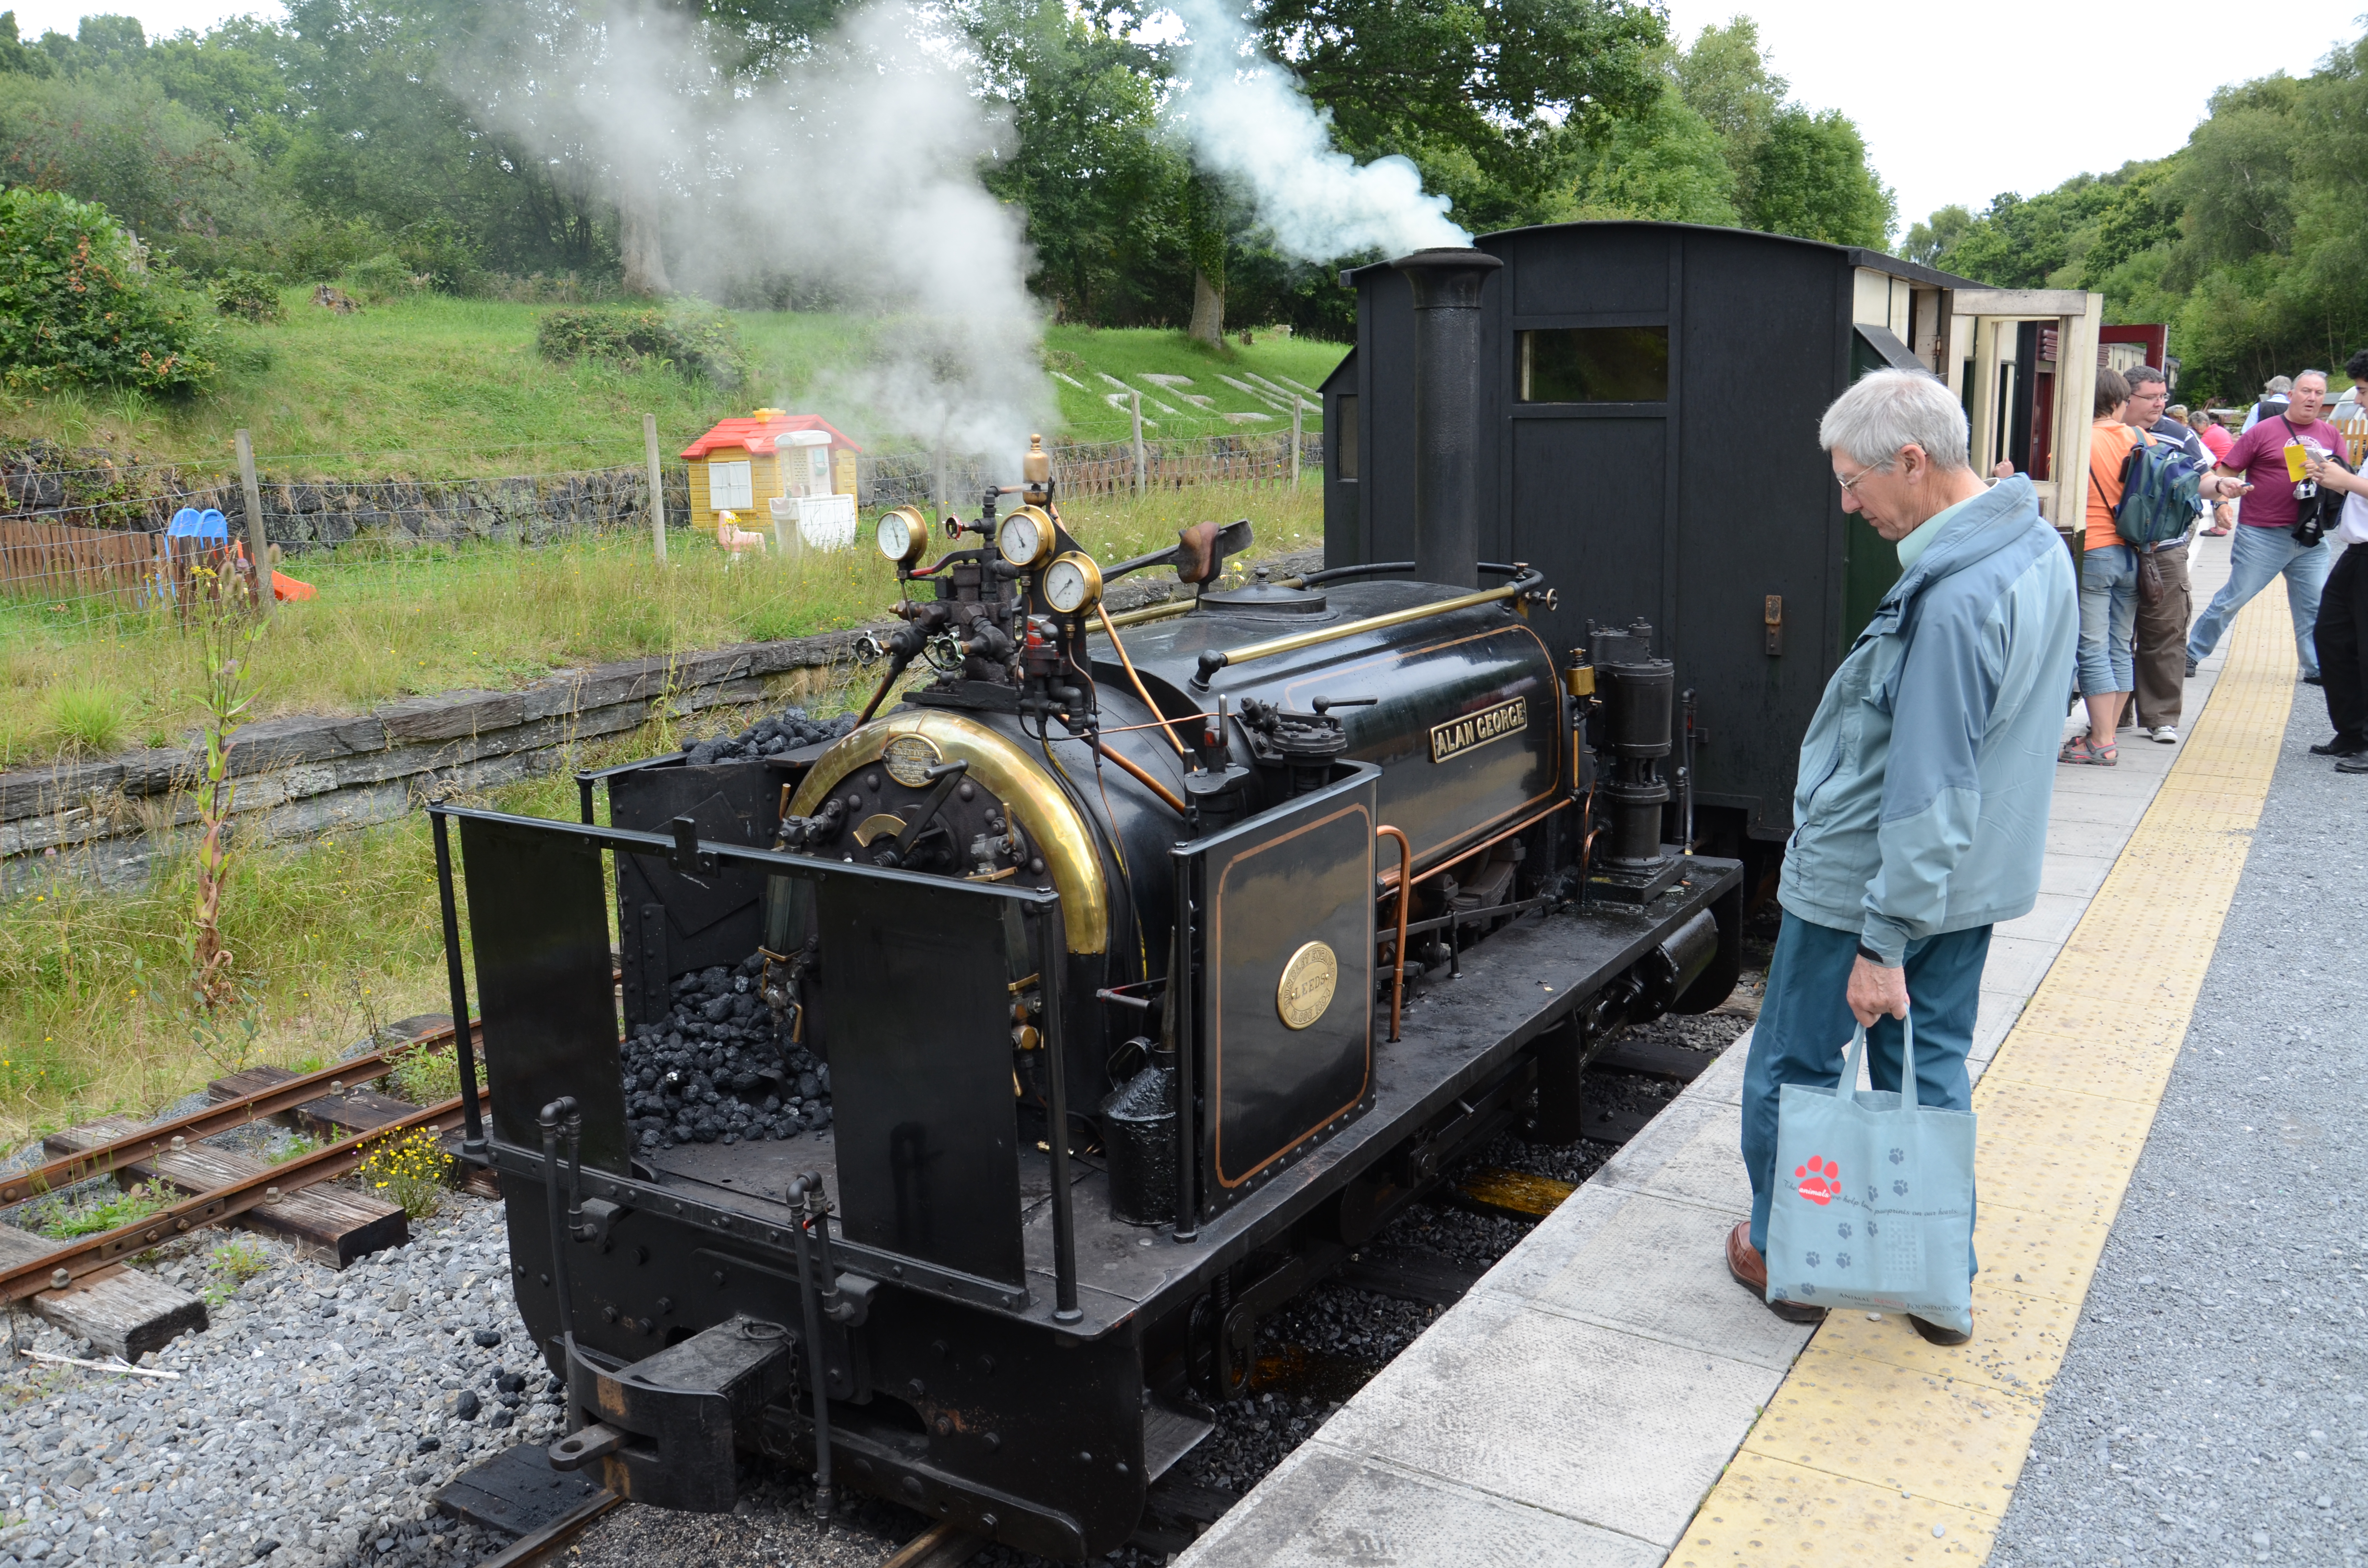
(437, 385)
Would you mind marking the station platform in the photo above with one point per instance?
(1606, 1395)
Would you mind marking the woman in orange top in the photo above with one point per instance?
(2109, 582)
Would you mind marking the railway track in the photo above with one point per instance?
(171, 1150)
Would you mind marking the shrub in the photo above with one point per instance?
(77, 303)
(384, 277)
(701, 345)
(443, 253)
(249, 296)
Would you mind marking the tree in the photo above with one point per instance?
(1930, 242)
(1724, 79)
(1810, 178)
(14, 56)
(1667, 166)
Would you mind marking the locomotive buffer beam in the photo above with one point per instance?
(668, 1424)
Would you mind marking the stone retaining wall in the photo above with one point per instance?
(110, 819)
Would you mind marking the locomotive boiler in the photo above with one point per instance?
(1153, 961)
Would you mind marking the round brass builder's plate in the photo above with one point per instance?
(1307, 982)
(909, 759)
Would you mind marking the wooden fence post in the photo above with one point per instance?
(1136, 399)
(657, 484)
(1298, 404)
(258, 543)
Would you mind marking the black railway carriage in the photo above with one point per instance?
(1644, 434)
(1158, 959)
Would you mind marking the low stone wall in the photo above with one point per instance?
(109, 820)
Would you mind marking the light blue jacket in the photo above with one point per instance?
(1926, 775)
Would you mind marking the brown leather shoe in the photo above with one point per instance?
(1750, 1271)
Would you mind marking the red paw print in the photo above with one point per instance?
(1821, 1181)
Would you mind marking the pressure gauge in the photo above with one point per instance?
(904, 535)
(1073, 583)
(1026, 537)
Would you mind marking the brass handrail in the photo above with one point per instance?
(1216, 659)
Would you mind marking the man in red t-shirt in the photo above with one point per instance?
(2264, 546)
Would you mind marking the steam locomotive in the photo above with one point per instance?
(1156, 958)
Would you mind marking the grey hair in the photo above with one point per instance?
(2320, 374)
(2278, 384)
(1886, 410)
(2140, 375)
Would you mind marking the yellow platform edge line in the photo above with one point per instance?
(1878, 1440)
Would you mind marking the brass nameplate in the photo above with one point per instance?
(1307, 984)
(909, 759)
(1460, 735)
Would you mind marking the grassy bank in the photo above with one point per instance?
(438, 387)
(388, 623)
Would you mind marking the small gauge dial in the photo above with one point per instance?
(1073, 583)
(904, 535)
(1026, 537)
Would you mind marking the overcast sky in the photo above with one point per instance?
(1958, 103)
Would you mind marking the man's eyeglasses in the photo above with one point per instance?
(1849, 486)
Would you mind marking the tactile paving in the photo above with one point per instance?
(1868, 1413)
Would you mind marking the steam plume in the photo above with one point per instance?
(1247, 119)
(848, 176)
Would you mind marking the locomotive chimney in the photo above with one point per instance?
(1446, 283)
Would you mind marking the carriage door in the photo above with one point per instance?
(2024, 363)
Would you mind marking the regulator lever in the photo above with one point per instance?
(947, 775)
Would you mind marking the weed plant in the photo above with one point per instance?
(410, 1169)
(66, 1221)
(232, 1264)
(424, 1076)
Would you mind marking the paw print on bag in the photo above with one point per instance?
(1899, 1188)
(1897, 1156)
(1870, 1228)
(1843, 1230)
(1810, 1258)
(1872, 1194)
(1821, 1180)
(1842, 1260)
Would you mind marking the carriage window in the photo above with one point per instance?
(1344, 420)
(1596, 364)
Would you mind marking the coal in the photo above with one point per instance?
(785, 730)
(720, 1067)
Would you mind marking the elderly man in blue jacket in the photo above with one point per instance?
(1920, 816)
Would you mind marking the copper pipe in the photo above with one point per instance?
(1397, 975)
(1522, 826)
(1145, 779)
(1140, 689)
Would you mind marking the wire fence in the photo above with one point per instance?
(83, 533)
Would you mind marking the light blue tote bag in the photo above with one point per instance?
(1873, 1206)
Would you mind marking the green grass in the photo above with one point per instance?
(1086, 355)
(104, 1213)
(391, 622)
(436, 387)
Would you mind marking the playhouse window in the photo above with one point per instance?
(730, 485)
(1596, 364)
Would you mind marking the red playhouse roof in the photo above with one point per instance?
(757, 432)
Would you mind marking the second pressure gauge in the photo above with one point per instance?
(1026, 537)
(1073, 583)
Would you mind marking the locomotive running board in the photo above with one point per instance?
(1170, 1432)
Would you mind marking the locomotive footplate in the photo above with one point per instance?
(1530, 979)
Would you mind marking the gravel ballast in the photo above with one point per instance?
(2213, 1408)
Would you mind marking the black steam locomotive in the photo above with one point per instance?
(1152, 961)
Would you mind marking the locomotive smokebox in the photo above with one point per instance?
(1447, 283)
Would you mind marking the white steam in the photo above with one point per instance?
(849, 177)
(1248, 119)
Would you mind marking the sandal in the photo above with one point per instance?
(2078, 750)
(2215, 533)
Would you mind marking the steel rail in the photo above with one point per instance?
(91, 1253)
(537, 1544)
(107, 1158)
